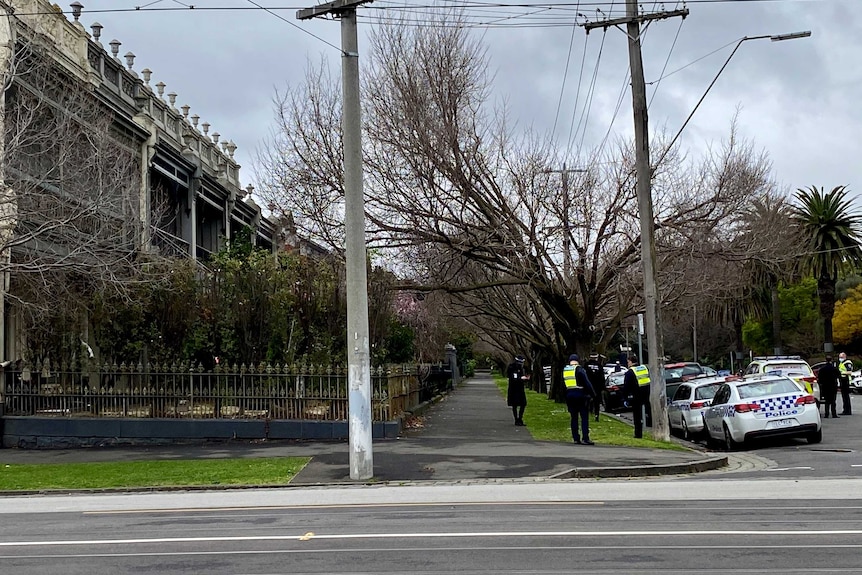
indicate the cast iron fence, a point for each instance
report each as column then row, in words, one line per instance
column 178, row 390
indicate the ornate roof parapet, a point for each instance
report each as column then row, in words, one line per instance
column 46, row 21
column 91, row 61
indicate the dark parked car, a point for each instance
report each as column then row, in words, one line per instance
column 676, row 373
column 614, row 396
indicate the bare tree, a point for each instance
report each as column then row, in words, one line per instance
column 70, row 201
column 552, row 266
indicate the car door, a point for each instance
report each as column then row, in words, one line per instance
column 678, row 403
column 714, row 414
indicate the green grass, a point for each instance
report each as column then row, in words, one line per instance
column 195, row 472
column 550, row 421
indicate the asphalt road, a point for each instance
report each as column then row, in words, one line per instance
column 838, row 455
column 548, row 527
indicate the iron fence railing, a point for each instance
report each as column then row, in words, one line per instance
column 304, row 392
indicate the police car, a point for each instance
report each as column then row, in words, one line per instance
column 761, row 406
column 689, row 401
column 792, row 366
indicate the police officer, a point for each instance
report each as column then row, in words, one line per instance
column 516, row 396
column 579, row 390
column 845, row 367
column 827, row 377
column 636, row 388
column 596, row 373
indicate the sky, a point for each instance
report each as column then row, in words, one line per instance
column 797, row 100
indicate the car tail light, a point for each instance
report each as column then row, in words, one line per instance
column 809, row 378
column 697, row 404
column 805, row 400
column 745, row 407
column 613, row 387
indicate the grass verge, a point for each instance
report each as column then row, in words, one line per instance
column 181, row 473
column 550, row 421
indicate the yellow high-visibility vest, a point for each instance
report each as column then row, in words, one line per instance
column 569, row 376
column 642, row 373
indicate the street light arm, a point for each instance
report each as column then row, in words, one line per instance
column 775, row 38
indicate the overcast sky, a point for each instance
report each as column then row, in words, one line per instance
column 798, row 100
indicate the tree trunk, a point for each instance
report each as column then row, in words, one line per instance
column 776, row 321
column 826, row 293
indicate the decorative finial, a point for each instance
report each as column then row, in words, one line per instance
column 195, row 119
column 172, row 98
column 76, row 10
column 160, row 89
column 147, row 74
column 231, row 148
column 97, row 32
column 115, row 48
column 185, row 110
column 130, row 59
column 206, row 127
column 216, row 137
column 249, row 189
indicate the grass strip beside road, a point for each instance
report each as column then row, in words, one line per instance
column 158, row 473
column 550, row 421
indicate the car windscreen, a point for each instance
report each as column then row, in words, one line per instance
column 616, row 378
column 787, row 368
column 763, row 388
column 706, row 391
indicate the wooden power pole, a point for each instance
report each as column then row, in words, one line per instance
column 358, row 345
column 652, row 300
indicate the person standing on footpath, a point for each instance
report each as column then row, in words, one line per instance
column 827, row 377
column 516, row 396
column 845, row 367
column 596, row 373
column 579, row 391
column 636, row 389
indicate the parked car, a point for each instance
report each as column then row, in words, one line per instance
column 856, row 382
column 614, row 396
column 792, row 366
column 761, row 406
column 676, row 373
column 686, row 407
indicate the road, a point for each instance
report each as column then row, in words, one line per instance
column 503, row 527
column 838, row 455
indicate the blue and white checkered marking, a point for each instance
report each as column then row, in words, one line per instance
column 780, row 406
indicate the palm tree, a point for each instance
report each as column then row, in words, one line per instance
column 832, row 235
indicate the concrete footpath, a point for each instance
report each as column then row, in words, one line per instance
column 467, row 435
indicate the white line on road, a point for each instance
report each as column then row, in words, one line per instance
column 454, row 535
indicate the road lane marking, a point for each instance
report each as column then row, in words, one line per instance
column 454, row 535
column 787, row 468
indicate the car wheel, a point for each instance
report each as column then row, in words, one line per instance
column 729, row 443
column 815, row 436
column 685, row 432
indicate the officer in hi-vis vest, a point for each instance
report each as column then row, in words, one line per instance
column 579, row 391
column 636, row 387
column 845, row 367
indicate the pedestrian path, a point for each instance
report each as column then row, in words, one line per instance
column 468, row 435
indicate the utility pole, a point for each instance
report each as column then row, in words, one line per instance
column 658, row 394
column 358, row 345
column 564, row 172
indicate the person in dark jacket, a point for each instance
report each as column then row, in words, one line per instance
column 596, row 373
column 516, row 396
column 637, row 395
column 827, row 377
column 579, row 391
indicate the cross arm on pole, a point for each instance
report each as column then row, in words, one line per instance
column 640, row 19
column 335, row 7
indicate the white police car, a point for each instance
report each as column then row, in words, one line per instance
column 689, row 401
column 762, row 406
